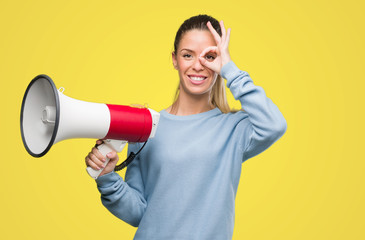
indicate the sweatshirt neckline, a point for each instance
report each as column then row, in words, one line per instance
column 209, row 113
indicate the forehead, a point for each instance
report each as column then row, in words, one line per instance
column 197, row 40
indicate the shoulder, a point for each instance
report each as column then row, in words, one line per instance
column 237, row 122
column 234, row 116
column 232, row 123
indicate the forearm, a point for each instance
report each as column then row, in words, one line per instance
column 266, row 121
column 120, row 199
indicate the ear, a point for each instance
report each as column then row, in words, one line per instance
column 174, row 61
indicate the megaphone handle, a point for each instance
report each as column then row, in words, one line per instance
column 104, row 149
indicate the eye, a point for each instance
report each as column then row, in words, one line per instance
column 186, row 55
column 210, row 57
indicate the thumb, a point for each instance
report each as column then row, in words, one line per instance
column 204, row 62
column 113, row 156
column 211, row 65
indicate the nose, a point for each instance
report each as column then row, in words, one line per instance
column 197, row 66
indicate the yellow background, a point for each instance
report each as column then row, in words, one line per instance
column 307, row 55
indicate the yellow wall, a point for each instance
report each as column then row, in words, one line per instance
column 307, row 55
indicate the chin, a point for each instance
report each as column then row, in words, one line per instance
column 196, row 90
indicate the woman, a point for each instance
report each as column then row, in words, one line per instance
column 184, row 182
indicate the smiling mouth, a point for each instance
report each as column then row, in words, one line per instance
column 197, row 78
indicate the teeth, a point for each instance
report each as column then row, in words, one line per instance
column 197, row 78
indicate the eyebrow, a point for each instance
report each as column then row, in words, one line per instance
column 186, row 50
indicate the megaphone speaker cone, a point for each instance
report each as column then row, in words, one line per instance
column 40, row 115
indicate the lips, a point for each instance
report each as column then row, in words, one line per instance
column 197, row 79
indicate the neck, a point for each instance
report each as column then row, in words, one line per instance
column 190, row 104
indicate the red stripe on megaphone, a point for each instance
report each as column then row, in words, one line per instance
column 129, row 123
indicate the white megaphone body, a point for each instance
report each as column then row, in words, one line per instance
column 48, row 116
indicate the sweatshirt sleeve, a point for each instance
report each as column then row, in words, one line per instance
column 124, row 199
column 265, row 122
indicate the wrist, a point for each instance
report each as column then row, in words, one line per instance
column 107, row 179
column 226, row 60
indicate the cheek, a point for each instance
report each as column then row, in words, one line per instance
column 183, row 68
column 214, row 78
column 183, row 65
column 214, row 75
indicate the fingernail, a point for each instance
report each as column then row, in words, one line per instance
column 108, row 155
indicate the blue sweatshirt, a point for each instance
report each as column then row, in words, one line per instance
column 183, row 184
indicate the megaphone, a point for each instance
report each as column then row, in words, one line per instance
column 48, row 117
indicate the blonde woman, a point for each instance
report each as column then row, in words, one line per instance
column 184, row 182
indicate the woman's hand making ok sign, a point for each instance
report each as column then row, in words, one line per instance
column 220, row 52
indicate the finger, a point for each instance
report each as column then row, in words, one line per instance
column 113, row 156
column 91, row 164
column 208, row 64
column 98, row 154
column 213, row 49
column 98, row 142
column 223, row 30
column 216, row 36
column 203, row 61
column 95, row 160
column 87, row 160
column 228, row 37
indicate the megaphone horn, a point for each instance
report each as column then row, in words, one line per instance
column 48, row 116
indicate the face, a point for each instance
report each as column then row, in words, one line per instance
column 195, row 78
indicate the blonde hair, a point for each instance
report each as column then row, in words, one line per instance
column 218, row 95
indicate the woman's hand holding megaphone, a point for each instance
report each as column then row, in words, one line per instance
column 96, row 160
